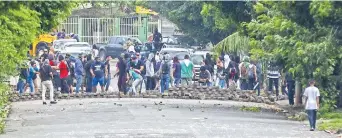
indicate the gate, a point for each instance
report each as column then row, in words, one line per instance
column 98, row 30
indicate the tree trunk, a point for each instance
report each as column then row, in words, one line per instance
column 298, row 92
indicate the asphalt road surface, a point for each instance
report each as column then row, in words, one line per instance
column 146, row 118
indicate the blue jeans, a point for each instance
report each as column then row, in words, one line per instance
column 89, row 84
column 31, row 85
column 222, row 83
column 21, row 86
column 164, row 82
column 177, row 81
column 312, row 118
column 107, row 81
column 78, row 82
column 205, row 84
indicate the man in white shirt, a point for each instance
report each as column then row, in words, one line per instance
column 311, row 95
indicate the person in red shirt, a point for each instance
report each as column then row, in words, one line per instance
column 64, row 73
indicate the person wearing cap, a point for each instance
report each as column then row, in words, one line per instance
column 311, row 96
column 78, row 72
column 74, row 36
column 98, row 72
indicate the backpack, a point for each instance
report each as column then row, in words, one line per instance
column 165, row 68
column 251, row 72
column 244, row 71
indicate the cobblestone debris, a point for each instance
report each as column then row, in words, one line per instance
column 182, row 92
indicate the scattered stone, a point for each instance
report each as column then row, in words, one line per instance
column 205, row 118
column 119, row 104
column 160, row 109
column 191, row 109
column 163, row 115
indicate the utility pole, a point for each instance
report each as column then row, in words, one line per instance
column 298, row 92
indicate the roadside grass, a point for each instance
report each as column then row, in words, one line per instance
column 333, row 124
column 251, row 109
column 331, row 121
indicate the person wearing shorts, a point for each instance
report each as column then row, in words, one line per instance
column 98, row 72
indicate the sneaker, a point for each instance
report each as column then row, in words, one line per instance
column 312, row 129
column 44, row 103
column 53, row 102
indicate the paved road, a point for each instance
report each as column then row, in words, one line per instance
column 113, row 118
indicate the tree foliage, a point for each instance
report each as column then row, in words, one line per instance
column 20, row 24
column 204, row 21
column 304, row 36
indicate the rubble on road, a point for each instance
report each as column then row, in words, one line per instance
column 182, row 92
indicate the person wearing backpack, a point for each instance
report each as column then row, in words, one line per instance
column 165, row 71
column 244, row 65
column 46, row 78
column 252, row 76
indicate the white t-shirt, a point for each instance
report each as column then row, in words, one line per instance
column 131, row 48
column 312, row 93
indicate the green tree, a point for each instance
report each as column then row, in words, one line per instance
column 303, row 36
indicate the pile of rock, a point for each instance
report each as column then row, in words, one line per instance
column 182, row 92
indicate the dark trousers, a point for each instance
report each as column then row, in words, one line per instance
column 275, row 82
column 122, row 83
column 312, row 118
column 243, row 84
column 89, row 84
column 291, row 91
column 56, row 82
column 64, row 85
column 150, row 83
column 251, row 83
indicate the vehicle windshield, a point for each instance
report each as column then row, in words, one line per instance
column 77, row 45
column 197, row 59
column 58, row 44
column 72, row 54
column 136, row 40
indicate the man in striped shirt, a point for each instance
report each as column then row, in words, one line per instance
column 273, row 76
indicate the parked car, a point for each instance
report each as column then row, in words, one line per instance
column 175, row 52
column 77, row 46
column 57, row 44
column 197, row 58
column 114, row 47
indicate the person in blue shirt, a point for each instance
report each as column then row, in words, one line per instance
column 33, row 71
column 78, row 70
column 98, row 72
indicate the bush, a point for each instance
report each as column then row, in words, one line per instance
column 4, row 102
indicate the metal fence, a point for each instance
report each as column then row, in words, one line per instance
column 98, row 30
